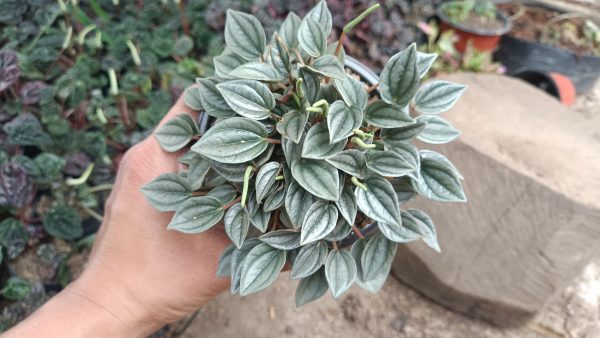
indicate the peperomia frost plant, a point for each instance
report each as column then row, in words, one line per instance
column 305, row 163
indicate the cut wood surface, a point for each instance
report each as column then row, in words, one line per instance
column 532, row 221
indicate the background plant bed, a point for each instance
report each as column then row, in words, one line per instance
column 522, row 50
column 483, row 39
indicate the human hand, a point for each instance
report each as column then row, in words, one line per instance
column 140, row 275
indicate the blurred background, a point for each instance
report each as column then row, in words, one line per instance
column 83, row 81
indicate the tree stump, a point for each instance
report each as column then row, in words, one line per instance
column 532, row 221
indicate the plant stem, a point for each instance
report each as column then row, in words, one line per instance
column 246, row 183
column 355, row 181
column 296, row 99
column 93, row 214
column 360, row 18
column 280, row 177
column 275, row 117
column 184, row 22
column 362, row 144
column 315, row 110
column 335, row 246
column 230, row 204
column 351, row 25
column 101, row 187
column 298, row 56
column 273, row 141
column 357, row 232
column 81, row 179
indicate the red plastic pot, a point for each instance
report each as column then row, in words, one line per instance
column 483, row 40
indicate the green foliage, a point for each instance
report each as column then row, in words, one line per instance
column 80, row 84
column 298, row 148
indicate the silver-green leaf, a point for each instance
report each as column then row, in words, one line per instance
column 244, row 35
column 424, row 62
column 197, row 214
column 377, row 256
column 388, row 163
column 329, row 66
column 424, row 226
column 321, row 14
column 198, row 169
column 385, row 115
column 312, row 38
column 379, row 201
column 237, row 223
column 212, row 100
column 309, row 260
column 261, row 266
column 248, row 98
column 237, row 262
column 265, row 179
column 292, row 124
column 317, row 177
column 341, row 231
column 342, row 120
column 400, row 233
column 347, row 204
column 224, row 193
column 352, row 91
column 259, row 71
column 437, row 130
column 351, row 161
column 226, row 63
column 191, row 98
column 282, row 239
column 437, row 96
column 340, row 270
column 167, row 192
column 297, row 202
column 319, row 221
column 289, row 30
column 439, row 180
column 317, row 145
column 233, row 140
column 311, row 85
column 400, row 78
column 176, row 133
column 393, row 136
column 311, row 288
column 224, row 266
column 274, row 200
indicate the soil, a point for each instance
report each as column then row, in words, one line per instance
column 531, row 23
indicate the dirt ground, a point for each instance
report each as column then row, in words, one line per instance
column 397, row 310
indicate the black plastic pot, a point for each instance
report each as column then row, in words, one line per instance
column 519, row 56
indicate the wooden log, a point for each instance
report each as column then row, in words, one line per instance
column 532, row 221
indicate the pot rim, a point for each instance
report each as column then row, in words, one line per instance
column 553, row 49
column 507, row 24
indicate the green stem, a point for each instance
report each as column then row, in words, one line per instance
column 280, row 177
column 134, row 53
column 358, row 184
column 360, row 18
column 81, row 179
column 315, row 110
column 299, row 88
column 112, row 78
column 297, row 100
column 67, row 40
column 100, row 115
column 324, row 104
column 101, row 187
column 93, row 214
column 246, row 184
column 362, row 144
column 81, row 36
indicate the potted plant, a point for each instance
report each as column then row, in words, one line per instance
column 546, row 42
column 304, row 162
column 475, row 22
